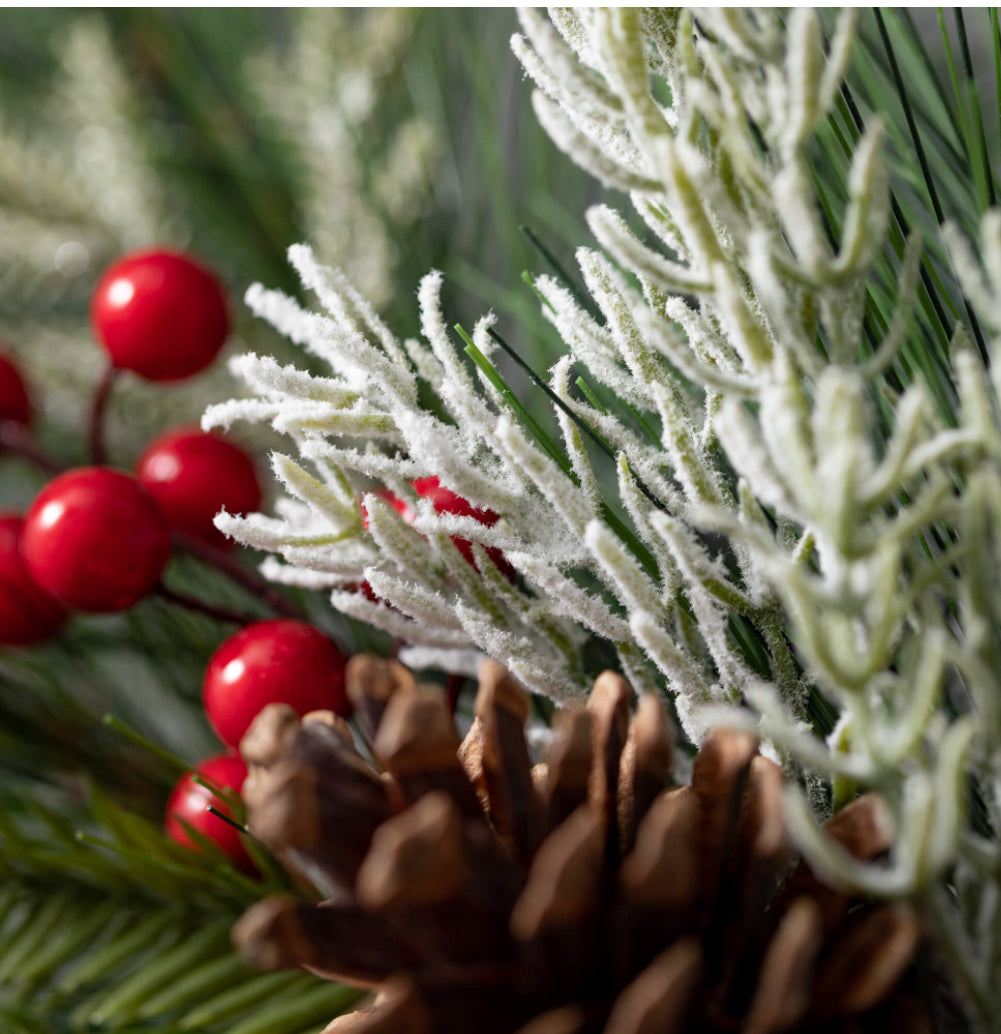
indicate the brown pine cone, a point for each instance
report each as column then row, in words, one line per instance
column 476, row 892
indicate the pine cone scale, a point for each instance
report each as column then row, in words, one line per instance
column 658, row 1001
column 514, row 813
column 569, row 765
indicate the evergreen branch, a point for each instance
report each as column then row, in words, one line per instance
column 981, row 167
column 200, row 606
column 123, row 927
column 925, row 170
column 582, row 299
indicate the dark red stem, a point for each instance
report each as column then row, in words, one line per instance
column 16, row 438
column 98, row 408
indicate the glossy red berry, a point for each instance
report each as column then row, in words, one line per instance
column 15, row 403
column 190, row 801
column 444, row 500
column 96, row 540
column 404, row 509
column 28, row 614
column 160, row 314
column 272, row 662
column 194, row 475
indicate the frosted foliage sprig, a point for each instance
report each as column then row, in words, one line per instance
column 362, row 431
column 777, row 559
column 878, row 561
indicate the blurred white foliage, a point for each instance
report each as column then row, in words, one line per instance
column 75, row 185
column 321, row 88
column 96, row 101
column 75, row 192
column 838, row 552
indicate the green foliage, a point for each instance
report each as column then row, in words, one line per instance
column 939, row 167
column 119, row 928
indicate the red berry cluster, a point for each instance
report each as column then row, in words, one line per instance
column 97, row 540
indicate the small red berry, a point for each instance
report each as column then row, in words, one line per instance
column 272, row 662
column 96, row 540
column 15, row 403
column 404, row 509
column 160, row 314
column 28, row 614
column 194, row 475
column 444, row 500
column 190, row 801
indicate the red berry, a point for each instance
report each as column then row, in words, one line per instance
column 444, row 500
column 272, row 662
column 404, row 509
column 95, row 539
column 28, row 614
column 15, row 403
column 194, row 475
column 190, row 800
column 160, row 314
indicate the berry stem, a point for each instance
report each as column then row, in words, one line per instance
column 98, row 408
column 16, row 438
column 236, row 572
column 193, row 603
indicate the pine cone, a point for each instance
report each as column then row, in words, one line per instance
column 474, row 891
